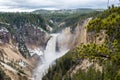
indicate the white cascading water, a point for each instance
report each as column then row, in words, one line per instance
column 50, row 55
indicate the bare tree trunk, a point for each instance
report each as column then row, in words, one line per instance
column 103, row 73
column 118, row 2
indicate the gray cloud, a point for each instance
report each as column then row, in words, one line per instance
column 22, row 5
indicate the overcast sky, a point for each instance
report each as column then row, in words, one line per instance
column 30, row 5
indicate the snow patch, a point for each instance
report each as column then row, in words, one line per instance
column 37, row 51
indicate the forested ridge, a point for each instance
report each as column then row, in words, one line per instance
column 71, row 20
column 106, row 54
column 20, row 19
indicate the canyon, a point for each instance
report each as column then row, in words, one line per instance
column 58, row 46
column 39, row 49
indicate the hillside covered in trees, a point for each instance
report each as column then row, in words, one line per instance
column 20, row 19
column 60, row 19
column 105, row 55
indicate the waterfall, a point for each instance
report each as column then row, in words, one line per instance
column 50, row 55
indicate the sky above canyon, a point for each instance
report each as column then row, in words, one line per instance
column 30, row 5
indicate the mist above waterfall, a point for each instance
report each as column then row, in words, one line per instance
column 48, row 58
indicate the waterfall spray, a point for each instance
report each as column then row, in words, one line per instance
column 49, row 57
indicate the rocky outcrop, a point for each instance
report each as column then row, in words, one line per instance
column 33, row 35
column 80, row 32
column 71, row 38
column 65, row 39
column 15, row 46
column 98, row 38
column 1, row 56
column 4, row 35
